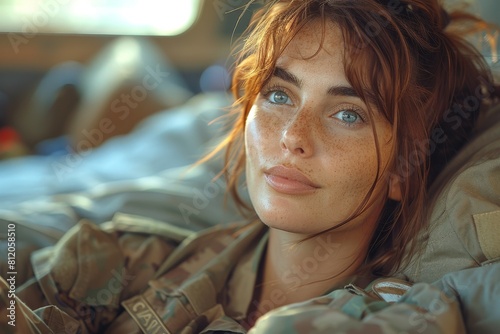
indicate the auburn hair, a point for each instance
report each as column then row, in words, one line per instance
column 410, row 61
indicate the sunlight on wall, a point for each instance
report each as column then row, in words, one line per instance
column 120, row 17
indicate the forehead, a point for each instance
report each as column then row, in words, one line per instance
column 316, row 41
column 315, row 55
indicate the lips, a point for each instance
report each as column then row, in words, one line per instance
column 289, row 180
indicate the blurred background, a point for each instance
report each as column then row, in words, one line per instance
column 67, row 65
column 74, row 73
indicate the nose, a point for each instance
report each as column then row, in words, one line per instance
column 297, row 136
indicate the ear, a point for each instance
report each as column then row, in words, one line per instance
column 395, row 188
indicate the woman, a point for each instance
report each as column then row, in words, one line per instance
column 347, row 110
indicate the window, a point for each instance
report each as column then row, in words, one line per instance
column 114, row 17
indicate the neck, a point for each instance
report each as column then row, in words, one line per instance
column 296, row 269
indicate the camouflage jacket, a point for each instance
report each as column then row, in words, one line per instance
column 136, row 276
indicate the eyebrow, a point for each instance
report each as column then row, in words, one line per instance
column 287, row 76
column 283, row 74
column 342, row 91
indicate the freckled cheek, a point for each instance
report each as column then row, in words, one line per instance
column 365, row 170
column 352, row 163
column 261, row 134
column 386, row 148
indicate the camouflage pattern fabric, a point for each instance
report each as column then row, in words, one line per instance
column 134, row 276
column 423, row 309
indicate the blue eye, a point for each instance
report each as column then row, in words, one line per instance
column 348, row 116
column 279, row 97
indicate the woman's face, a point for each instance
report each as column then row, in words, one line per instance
column 311, row 156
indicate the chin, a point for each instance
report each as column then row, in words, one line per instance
column 294, row 229
column 289, row 223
